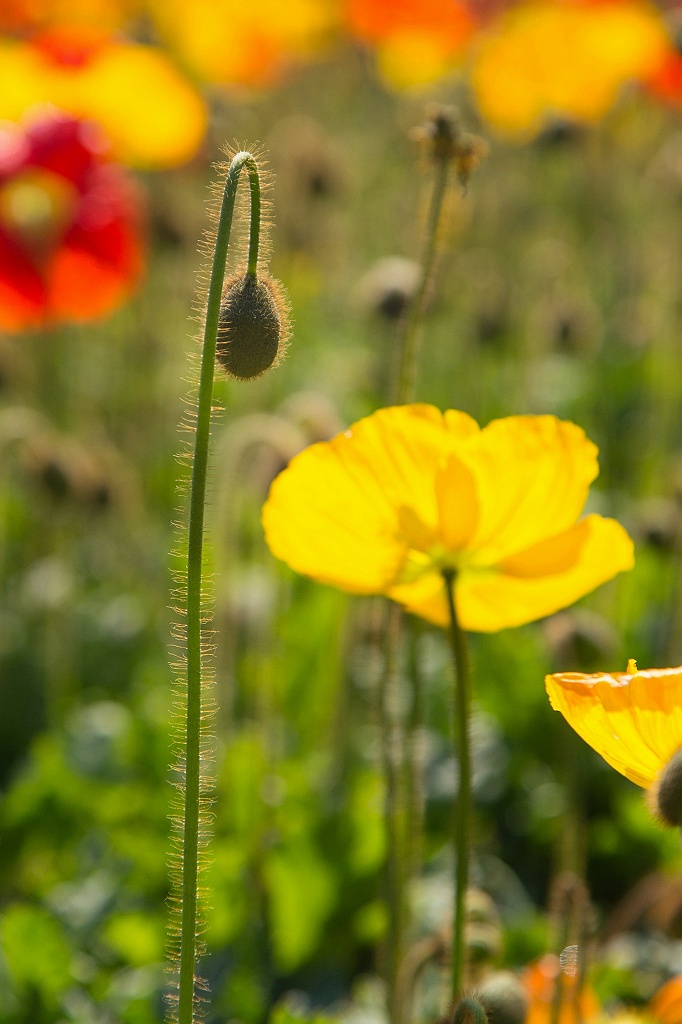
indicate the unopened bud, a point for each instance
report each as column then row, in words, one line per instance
column 666, row 793
column 253, row 326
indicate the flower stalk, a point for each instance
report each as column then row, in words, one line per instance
column 462, row 825
column 191, row 824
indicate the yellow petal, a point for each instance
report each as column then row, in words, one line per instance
column 489, row 600
column 153, row 117
column 457, row 503
column 634, row 722
column 340, row 510
column 532, row 476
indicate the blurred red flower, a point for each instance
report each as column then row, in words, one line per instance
column 70, row 242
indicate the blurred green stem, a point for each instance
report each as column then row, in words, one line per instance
column 460, row 657
column 192, row 808
column 407, row 366
column 394, row 810
column 415, row 753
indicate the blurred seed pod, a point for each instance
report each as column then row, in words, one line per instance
column 568, row 323
column 580, row 640
column 503, row 998
column 482, row 930
column 311, row 174
column 389, row 286
column 657, row 523
column 314, row 413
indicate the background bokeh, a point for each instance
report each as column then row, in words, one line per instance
column 559, row 290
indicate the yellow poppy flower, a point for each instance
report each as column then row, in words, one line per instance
column 152, row 116
column 409, row 492
column 634, row 720
column 564, row 59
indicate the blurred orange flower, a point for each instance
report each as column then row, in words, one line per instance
column 153, row 117
column 563, row 58
column 540, row 983
column 28, row 15
column 417, row 41
column 409, row 492
column 230, row 42
column 540, row 980
column 70, row 247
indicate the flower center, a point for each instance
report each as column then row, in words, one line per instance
column 36, row 207
column 666, row 793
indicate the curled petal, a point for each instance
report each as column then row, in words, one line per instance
column 633, row 720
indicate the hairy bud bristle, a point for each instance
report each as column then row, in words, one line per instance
column 253, row 326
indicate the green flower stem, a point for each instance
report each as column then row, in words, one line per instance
column 460, row 656
column 415, row 753
column 407, row 369
column 394, row 811
column 192, row 809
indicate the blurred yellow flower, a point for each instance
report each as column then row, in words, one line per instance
column 633, row 719
column 232, row 42
column 409, row 492
column 152, row 116
column 564, row 58
column 416, row 41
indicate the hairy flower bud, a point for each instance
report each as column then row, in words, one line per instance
column 253, row 326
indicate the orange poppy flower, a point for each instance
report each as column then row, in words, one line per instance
column 409, row 492
column 557, row 58
column 70, row 247
column 417, row 41
column 153, row 117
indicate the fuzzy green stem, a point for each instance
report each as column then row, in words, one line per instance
column 460, row 657
column 254, row 227
column 407, row 370
column 191, row 826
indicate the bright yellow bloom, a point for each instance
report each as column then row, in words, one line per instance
column 408, row 492
column 152, row 116
column 567, row 59
column 633, row 719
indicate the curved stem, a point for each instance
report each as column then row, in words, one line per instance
column 254, row 228
column 460, row 657
column 408, row 356
column 470, row 1009
column 192, row 809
